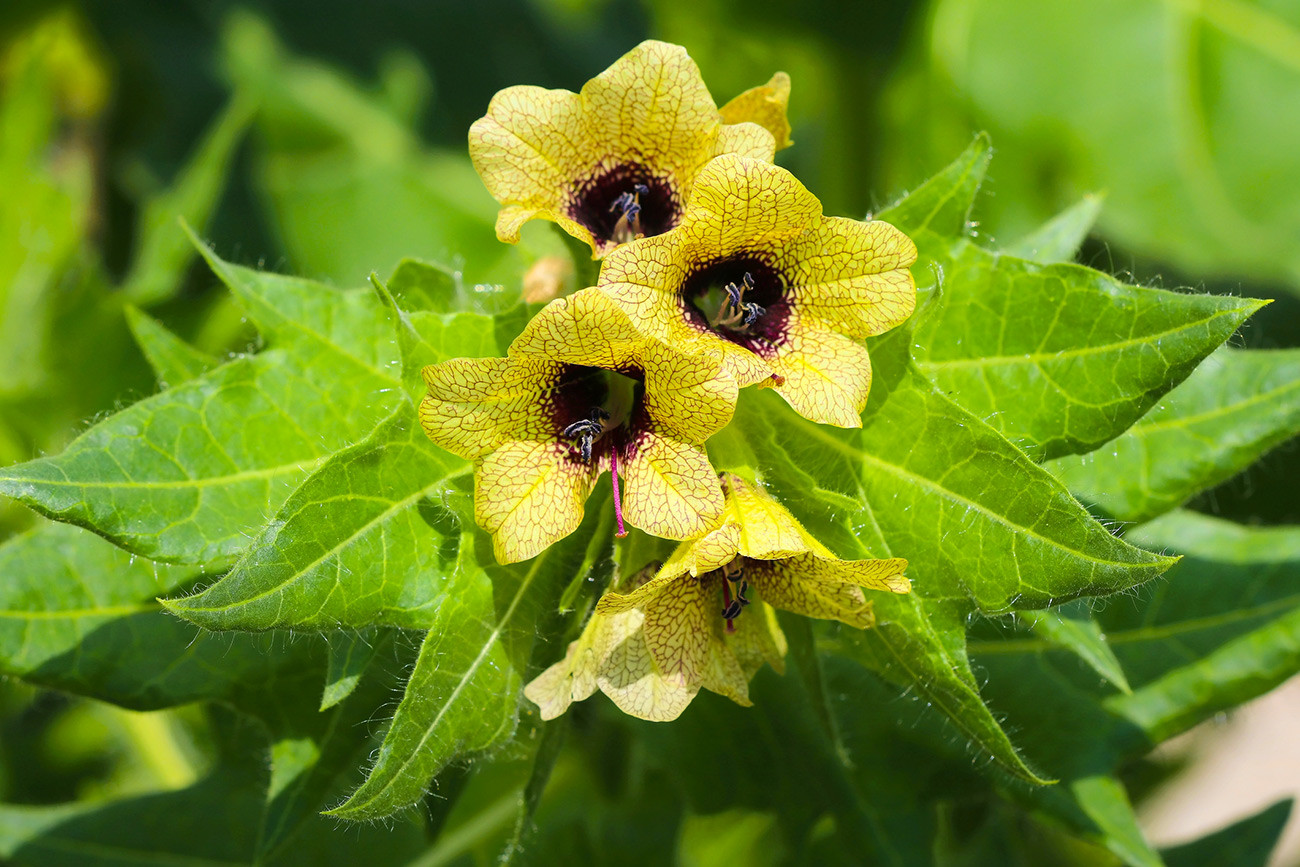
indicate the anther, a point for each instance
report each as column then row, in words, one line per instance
column 586, row 430
column 628, row 206
column 736, row 313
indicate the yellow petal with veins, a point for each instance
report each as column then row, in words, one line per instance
column 758, row 639
column 768, row 531
column 884, row 575
column 713, row 550
column 584, row 328
column 688, row 395
column 633, row 681
column 851, row 277
column 828, row 281
column 529, row 495
column 538, row 151
column 475, row 405
column 782, row 584
column 679, row 629
column 764, row 105
column 669, row 488
column 825, row 375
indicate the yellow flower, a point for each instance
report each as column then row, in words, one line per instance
column 706, row 619
column 579, row 393
column 754, row 270
column 616, row 161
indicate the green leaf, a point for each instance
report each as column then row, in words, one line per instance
column 187, row 475
column 1230, row 411
column 464, row 691
column 925, row 472
column 981, row 525
column 350, row 188
column 78, row 614
column 163, row 251
column 1191, row 141
column 920, row 645
column 369, row 539
column 1071, row 626
column 943, row 203
column 1242, row 669
column 1059, row 239
column 173, row 360
column 350, row 654
column 1105, row 803
column 1060, row 358
column 177, row 827
column 1247, row 843
column 1223, row 628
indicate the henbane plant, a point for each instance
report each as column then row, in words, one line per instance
column 857, row 422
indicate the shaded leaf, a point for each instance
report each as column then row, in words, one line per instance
column 1230, row 411
column 1071, row 626
column 464, row 691
column 1190, row 139
column 349, row 656
column 1105, row 802
column 163, row 251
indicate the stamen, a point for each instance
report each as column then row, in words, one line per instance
column 628, row 205
column 736, row 313
column 618, row 500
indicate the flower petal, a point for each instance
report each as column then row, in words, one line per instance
column 585, row 328
column 884, row 575
column 679, row 629
column 574, row 677
column 644, row 279
column 745, row 204
column 687, row 395
column 758, row 639
column 723, row 673
column 746, row 140
column 653, row 102
column 475, row 405
column 669, row 488
column 764, row 105
column 826, row 375
column 632, row 680
column 768, row 531
column 851, row 277
column 530, row 146
column 713, row 550
column 528, row 495
column 784, row 584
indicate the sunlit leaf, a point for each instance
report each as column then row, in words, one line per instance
column 1230, row 411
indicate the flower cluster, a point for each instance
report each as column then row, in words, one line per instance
column 719, row 272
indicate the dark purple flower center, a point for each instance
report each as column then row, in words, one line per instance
column 625, row 202
column 595, row 409
column 742, row 299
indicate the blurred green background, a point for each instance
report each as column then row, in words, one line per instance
column 327, row 139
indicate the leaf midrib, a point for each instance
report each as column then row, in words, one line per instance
column 931, row 485
column 1063, row 354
